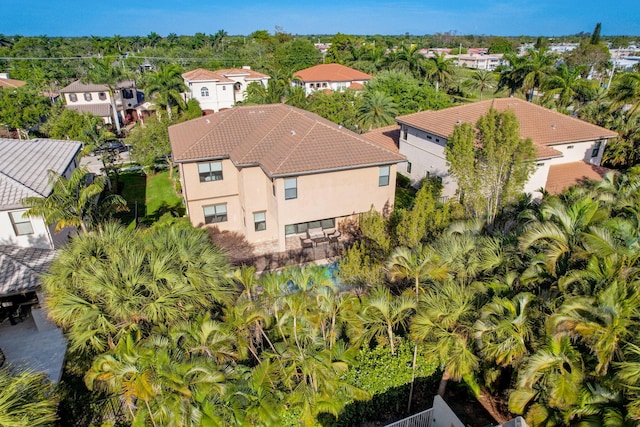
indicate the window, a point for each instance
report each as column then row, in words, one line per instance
column 210, row 171
column 408, row 167
column 569, row 147
column 540, row 164
column 429, row 137
column 237, row 86
column 102, row 96
column 437, row 140
column 224, row 88
column 73, row 97
column 383, row 178
column 21, row 223
column 405, row 131
column 260, row 221
column 596, row 149
column 291, row 188
column 87, row 97
column 204, row 91
column 325, row 224
column 215, row 213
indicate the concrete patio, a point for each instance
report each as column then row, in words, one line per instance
column 27, row 346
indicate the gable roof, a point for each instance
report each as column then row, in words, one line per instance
column 203, row 75
column 330, row 73
column 11, row 83
column 388, row 136
column 565, row 175
column 20, row 268
column 281, row 139
column 79, row 87
column 24, row 167
column 545, row 127
column 102, row 109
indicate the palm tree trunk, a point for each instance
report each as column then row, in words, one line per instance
column 413, row 376
column 390, row 335
column 115, row 110
column 443, row 383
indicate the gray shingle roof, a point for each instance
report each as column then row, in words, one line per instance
column 24, row 167
column 20, row 268
column 78, row 87
column 100, row 110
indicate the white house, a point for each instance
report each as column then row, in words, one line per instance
column 220, row 89
column 334, row 77
column 568, row 149
column 95, row 99
column 24, row 167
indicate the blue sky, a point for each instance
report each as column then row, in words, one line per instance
column 126, row 18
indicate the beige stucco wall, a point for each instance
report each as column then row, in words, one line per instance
column 250, row 190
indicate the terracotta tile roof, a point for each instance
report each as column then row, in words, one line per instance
column 563, row 176
column 79, row 87
column 282, row 139
column 545, row 127
column 331, row 73
column 200, row 74
column 20, row 268
column 11, row 83
column 388, row 137
column 356, row 86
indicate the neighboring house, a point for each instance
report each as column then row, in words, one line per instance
column 271, row 172
column 334, row 77
column 221, row 89
column 6, row 82
column 568, row 149
column 479, row 61
column 24, row 172
column 95, row 99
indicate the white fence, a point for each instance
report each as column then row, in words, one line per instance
column 421, row 419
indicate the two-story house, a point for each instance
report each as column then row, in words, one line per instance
column 220, row 89
column 272, row 172
column 96, row 99
column 334, row 77
column 568, row 149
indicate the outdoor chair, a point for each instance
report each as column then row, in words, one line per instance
column 334, row 237
column 306, row 243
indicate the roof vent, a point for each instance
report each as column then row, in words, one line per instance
column 553, row 126
column 459, row 121
column 208, row 121
column 339, row 126
column 293, row 132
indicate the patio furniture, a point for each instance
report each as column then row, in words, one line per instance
column 306, row 243
column 334, row 237
column 315, row 233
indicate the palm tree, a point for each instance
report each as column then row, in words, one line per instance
column 549, row 384
column 383, row 314
column 26, row 399
column 512, row 76
column 166, row 87
column 377, row 110
column 74, row 202
column 481, row 80
column 566, row 86
column 109, row 283
column 101, row 71
column 443, row 322
column 626, row 91
column 538, row 64
column 440, row 69
column 603, row 322
column 505, row 329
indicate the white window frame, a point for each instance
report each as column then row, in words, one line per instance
column 22, row 225
column 260, row 221
column 210, row 171
column 204, row 91
column 290, row 188
column 384, row 176
column 214, row 214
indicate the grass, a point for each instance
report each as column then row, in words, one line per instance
column 154, row 196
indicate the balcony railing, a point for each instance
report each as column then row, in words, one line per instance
column 421, row 419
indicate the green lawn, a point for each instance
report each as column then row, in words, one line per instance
column 154, row 195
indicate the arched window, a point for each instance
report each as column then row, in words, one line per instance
column 237, row 86
column 204, row 91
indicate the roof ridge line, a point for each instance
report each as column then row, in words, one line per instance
column 19, row 184
column 204, row 118
column 295, row 146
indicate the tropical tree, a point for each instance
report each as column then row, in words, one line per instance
column 443, row 322
column 74, row 202
column 440, row 69
column 102, row 71
column 26, row 399
column 537, row 66
column 566, row 86
column 383, row 314
column 165, row 88
column 115, row 282
column 481, row 80
column 626, row 91
column 377, row 110
column 22, row 109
